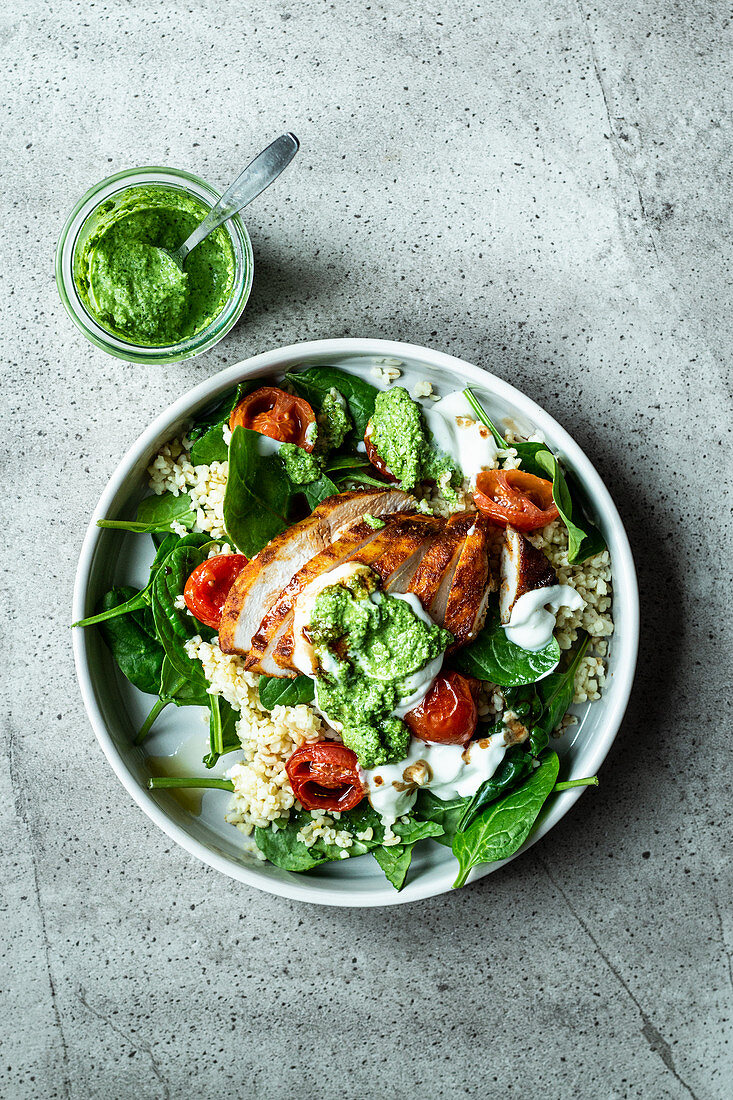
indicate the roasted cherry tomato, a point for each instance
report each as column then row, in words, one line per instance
column 447, row 714
column 276, row 413
column 374, row 458
column 325, row 776
column 513, row 498
column 208, row 587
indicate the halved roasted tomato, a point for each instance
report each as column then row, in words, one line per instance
column 325, row 776
column 277, row 414
column 513, row 498
column 448, row 713
column 208, row 587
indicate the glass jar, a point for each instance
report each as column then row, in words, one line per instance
column 81, row 223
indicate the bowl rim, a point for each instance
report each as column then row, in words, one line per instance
column 297, row 887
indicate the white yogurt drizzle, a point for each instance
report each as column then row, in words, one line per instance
column 457, row 433
column 449, row 771
column 267, row 446
column 533, row 615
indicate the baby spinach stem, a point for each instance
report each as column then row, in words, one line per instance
column 590, row 781
column 148, row 723
column 162, row 782
column 484, row 418
column 136, row 603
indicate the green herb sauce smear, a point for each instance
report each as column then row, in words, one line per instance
column 130, row 284
column 406, row 446
column 370, row 646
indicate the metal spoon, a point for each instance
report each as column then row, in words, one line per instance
column 258, row 175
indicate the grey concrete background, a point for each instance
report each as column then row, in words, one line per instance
column 541, row 189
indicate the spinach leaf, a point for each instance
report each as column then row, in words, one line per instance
column 583, row 541
column 206, row 436
column 544, row 709
column 315, row 382
column 163, row 547
column 276, row 691
column 395, row 861
column 364, row 817
column 173, row 542
column 132, row 641
column 216, row 412
column 174, row 625
column 316, row 491
column 356, row 478
column 502, row 828
column 222, row 730
column 257, row 496
column 284, row 849
column 210, row 447
column 491, row 656
column 443, row 812
column 340, row 463
column 413, row 830
column 584, row 538
column 517, row 764
column 156, row 514
column 555, row 692
column 160, row 512
column 178, row 689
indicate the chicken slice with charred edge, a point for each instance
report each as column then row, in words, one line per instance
column 264, row 577
column 396, row 543
column 439, row 563
column 259, row 657
column 524, row 568
column 469, row 591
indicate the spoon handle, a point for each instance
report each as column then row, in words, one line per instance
column 250, row 183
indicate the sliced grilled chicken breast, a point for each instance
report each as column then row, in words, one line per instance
column 401, row 579
column 266, row 575
column 436, row 589
column 279, row 615
column 431, row 572
column 386, row 553
column 524, row 568
column 349, row 508
column 468, row 595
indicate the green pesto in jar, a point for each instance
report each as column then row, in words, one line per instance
column 130, row 284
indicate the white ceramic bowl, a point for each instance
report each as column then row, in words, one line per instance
column 179, row 737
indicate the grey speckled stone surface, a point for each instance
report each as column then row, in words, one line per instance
column 539, row 188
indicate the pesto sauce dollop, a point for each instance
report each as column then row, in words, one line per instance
column 131, row 285
column 301, row 466
column 333, row 423
column 368, row 645
column 405, row 444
